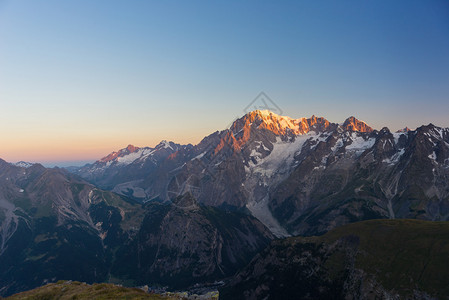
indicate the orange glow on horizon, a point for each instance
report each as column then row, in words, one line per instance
column 71, row 149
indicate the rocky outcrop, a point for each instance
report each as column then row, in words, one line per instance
column 352, row 124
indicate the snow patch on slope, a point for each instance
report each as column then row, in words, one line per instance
column 281, row 157
column 165, row 144
column 266, row 173
column 130, row 158
column 359, row 143
column 396, row 136
column 23, row 164
column 432, row 156
column 261, row 211
column 395, row 158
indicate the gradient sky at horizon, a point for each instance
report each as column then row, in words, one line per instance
column 79, row 79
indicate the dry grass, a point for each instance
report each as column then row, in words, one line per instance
column 71, row 290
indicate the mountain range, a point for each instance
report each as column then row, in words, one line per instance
column 187, row 216
column 297, row 176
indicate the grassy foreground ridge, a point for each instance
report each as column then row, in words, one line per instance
column 65, row 290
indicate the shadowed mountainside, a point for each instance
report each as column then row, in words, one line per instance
column 377, row 259
column 54, row 225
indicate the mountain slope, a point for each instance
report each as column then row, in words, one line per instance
column 54, row 225
column 326, row 175
column 376, row 175
column 121, row 171
column 185, row 243
column 384, row 259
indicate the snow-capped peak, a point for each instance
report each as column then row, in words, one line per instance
column 130, row 149
column 23, row 164
column 165, row 144
column 132, row 153
column 114, row 155
column 279, row 125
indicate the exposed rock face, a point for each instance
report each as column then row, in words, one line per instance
column 380, row 259
column 352, row 124
column 405, row 129
column 37, row 191
column 185, row 243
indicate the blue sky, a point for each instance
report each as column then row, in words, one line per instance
column 79, row 79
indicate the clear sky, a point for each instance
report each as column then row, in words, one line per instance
column 79, row 79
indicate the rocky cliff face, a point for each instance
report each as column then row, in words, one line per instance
column 186, row 243
column 352, row 124
column 381, row 259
